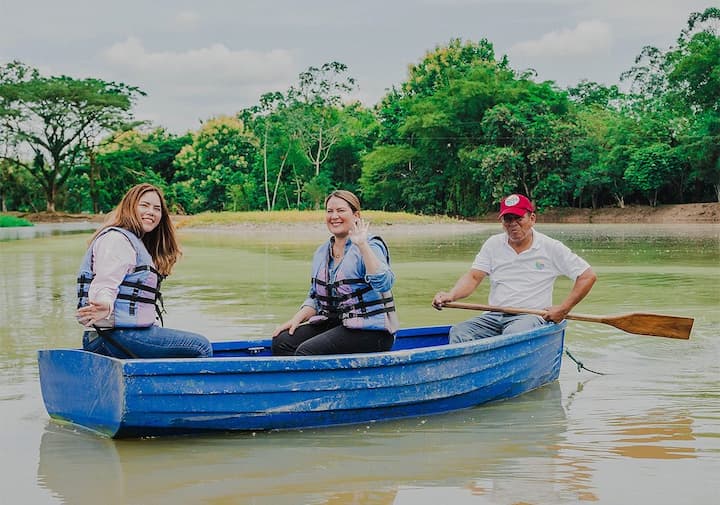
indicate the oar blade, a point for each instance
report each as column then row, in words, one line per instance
column 657, row 325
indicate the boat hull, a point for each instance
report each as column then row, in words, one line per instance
column 244, row 388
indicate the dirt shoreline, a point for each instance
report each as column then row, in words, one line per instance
column 634, row 214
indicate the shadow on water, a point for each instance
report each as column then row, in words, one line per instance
column 337, row 465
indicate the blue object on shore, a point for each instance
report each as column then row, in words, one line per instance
column 243, row 387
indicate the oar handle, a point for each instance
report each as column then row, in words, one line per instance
column 492, row 308
column 660, row 325
column 516, row 310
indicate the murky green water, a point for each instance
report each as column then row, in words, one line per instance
column 647, row 432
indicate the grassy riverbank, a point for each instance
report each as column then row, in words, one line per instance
column 663, row 214
column 300, row 217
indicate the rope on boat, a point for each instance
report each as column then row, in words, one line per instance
column 580, row 366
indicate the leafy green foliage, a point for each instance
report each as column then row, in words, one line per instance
column 213, row 170
column 58, row 118
column 649, row 170
column 382, row 172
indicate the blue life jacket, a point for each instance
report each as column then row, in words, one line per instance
column 349, row 296
column 138, row 300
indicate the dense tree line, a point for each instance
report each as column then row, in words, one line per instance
column 462, row 130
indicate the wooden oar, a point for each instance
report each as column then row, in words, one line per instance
column 657, row 325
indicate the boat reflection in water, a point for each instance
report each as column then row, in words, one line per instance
column 477, row 451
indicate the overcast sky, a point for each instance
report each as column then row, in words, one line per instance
column 197, row 59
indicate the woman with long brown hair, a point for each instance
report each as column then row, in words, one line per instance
column 119, row 297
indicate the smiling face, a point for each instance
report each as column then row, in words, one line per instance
column 339, row 216
column 519, row 228
column 149, row 210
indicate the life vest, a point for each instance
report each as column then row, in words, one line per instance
column 138, row 300
column 349, row 296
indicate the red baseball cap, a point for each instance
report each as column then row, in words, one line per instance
column 516, row 204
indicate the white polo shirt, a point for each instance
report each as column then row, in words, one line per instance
column 526, row 280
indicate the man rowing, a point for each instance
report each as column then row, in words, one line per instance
column 522, row 265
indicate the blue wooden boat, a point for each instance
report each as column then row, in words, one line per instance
column 243, row 387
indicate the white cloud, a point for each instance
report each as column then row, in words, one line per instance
column 216, row 64
column 501, row 2
column 588, row 37
column 187, row 20
column 198, row 83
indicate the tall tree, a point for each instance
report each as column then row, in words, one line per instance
column 53, row 118
column 649, row 170
column 314, row 104
column 298, row 131
column 213, row 171
column 448, row 62
column 683, row 85
column 695, row 74
column 434, row 116
column 120, row 161
column 476, row 130
column 277, row 145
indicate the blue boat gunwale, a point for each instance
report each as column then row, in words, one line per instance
column 243, row 364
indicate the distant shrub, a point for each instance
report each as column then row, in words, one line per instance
column 8, row 221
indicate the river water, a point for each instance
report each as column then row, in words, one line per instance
column 647, row 431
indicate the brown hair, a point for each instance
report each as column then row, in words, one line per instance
column 352, row 200
column 161, row 242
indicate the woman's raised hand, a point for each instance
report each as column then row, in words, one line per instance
column 359, row 232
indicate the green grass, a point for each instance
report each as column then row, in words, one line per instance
column 301, row 217
column 8, row 221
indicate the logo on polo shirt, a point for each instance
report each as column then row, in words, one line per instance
column 539, row 265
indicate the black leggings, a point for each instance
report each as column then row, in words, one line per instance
column 330, row 337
